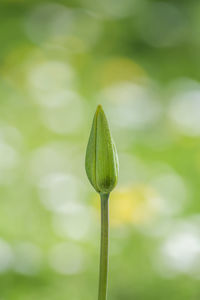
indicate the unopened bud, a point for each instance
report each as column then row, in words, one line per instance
column 101, row 162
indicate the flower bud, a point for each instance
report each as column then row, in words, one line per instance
column 101, row 162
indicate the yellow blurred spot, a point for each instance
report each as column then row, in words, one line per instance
column 131, row 205
column 121, row 69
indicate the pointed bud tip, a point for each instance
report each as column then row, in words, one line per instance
column 99, row 108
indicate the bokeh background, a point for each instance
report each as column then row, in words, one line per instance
column 140, row 60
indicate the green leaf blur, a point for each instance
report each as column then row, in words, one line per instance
column 58, row 61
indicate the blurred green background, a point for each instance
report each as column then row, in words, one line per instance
column 140, row 60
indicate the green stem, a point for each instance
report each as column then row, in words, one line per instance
column 103, row 271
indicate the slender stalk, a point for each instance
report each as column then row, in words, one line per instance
column 103, row 271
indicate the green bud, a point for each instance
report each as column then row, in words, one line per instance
column 101, row 162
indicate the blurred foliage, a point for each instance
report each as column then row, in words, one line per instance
column 140, row 60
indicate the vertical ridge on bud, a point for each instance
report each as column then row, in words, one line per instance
column 101, row 161
column 105, row 158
